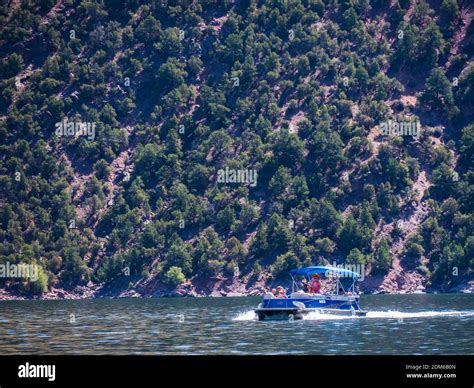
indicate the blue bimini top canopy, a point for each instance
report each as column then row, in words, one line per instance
column 322, row 270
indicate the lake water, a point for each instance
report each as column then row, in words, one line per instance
column 395, row 324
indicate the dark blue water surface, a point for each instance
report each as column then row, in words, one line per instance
column 395, row 324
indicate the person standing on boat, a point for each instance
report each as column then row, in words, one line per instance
column 315, row 284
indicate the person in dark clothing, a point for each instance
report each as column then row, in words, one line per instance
column 304, row 286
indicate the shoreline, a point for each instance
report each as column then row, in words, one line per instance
column 62, row 294
column 220, row 286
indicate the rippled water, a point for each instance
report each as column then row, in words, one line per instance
column 395, row 324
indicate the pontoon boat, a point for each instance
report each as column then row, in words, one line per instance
column 343, row 300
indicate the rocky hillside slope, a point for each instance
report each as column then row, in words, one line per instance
column 206, row 147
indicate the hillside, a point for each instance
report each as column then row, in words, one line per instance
column 206, row 147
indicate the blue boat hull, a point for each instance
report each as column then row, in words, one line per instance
column 312, row 303
column 296, row 308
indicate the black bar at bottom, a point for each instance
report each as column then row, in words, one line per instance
column 365, row 371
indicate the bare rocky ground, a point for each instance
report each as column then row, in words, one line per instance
column 396, row 281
